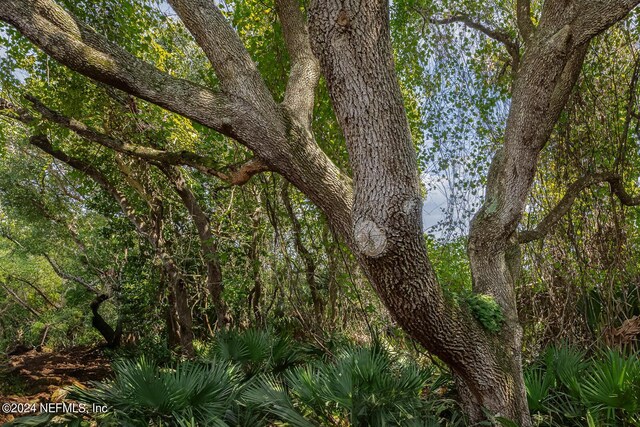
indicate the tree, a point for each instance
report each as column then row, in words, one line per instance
column 377, row 211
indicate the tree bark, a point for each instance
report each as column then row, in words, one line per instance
column 387, row 225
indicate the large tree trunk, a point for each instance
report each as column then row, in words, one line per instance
column 353, row 44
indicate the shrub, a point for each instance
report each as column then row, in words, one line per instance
column 191, row 394
column 362, row 387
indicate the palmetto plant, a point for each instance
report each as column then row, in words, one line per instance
column 571, row 389
column 257, row 351
column 611, row 387
column 362, row 387
column 191, row 394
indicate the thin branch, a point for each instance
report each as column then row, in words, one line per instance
column 234, row 175
column 92, row 172
column 497, row 35
column 548, row 222
column 19, row 300
column 35, row 288
column 631, row 105
column 63, row 275
column 305, row 69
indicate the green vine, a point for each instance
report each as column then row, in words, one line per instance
column 486, row 310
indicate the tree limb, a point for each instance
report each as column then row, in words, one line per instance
column 305, row 70
column 548, row 222
column 76, row 45
column 523, row 18
column 595, row 16
column 96, row 175
column 208, row 245
column 234, row 175
column 266, row 130
column 63, row 275
column 35, row 288
column 232, row 63
column 19, row 300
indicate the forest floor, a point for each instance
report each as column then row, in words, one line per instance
column 40, row 377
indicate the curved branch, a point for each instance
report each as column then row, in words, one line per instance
column 266, row 130
column 208, row 245
column 63, row 275
column 497, row 35
column 97, row 176
column 19, row 300
column 234, row 175
column 553, row 217
column 73, row 43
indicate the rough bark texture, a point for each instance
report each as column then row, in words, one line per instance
column 550, row 66
column 352, row 41
column 378, row 214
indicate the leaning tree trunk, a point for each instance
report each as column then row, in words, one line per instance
column 111, row 336
column 353, row 45
column 208, row 245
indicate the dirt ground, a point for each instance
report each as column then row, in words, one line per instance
column 42, row 376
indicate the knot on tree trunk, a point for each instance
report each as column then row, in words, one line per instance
column 370, row 238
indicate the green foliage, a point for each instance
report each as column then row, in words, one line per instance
column 450, row 261
column 46, row 420
column 366, row 386
column 257, row 351
column 567, row 388
column 191, row 394
column 453, row 270
column 486, row 310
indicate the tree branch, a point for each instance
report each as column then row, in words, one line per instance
column 19, row 300
column 305, row 70
column 595, row 16
column 523, row 18
column 35, row 288
column 548, row 222
column 76, row 45
column 497, row 35
column 266, row 130
column 92, row 172
column 208, row 245
column 234, row 175
column 232, row 63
